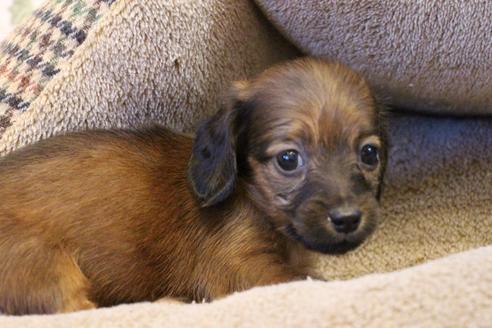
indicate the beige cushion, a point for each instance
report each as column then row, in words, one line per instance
column 433, row 56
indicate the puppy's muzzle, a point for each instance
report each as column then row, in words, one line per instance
column 345, row 219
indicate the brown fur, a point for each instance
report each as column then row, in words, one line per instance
column 106, row 217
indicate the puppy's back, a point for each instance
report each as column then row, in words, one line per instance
column 98, row 165
column 96, row 195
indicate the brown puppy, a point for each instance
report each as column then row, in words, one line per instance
column 292, row 162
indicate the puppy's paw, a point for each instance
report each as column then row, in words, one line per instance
column 173, row 300
column 78, row 304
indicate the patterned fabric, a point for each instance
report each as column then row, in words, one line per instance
column 12, row 12
column 32, row 55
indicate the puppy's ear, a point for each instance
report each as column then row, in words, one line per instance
column 212, row 169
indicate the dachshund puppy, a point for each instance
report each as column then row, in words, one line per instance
column 292, row 162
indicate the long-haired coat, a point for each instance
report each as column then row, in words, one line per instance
column 293, row 161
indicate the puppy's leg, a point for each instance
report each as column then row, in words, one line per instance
column 270, row 269
column 253, row 272
column 173, row 300
column 278, row 274
column 37, row 279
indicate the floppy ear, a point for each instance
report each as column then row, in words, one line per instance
column 212, row 170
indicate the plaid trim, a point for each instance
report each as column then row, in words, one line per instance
column 33, row 53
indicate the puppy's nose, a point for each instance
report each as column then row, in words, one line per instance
column 345, row 220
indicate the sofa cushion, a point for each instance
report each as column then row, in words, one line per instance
column 432, row 56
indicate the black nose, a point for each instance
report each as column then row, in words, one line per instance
column 345, row 220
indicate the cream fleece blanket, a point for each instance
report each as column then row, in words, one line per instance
column 167, row 61
column 430, row 55
column 451, row 292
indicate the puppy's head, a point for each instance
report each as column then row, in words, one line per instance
column 306, row 140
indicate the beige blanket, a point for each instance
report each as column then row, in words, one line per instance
column 431, row 55
column 167, row 61
column 451, row 292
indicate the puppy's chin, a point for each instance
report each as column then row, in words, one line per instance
column 333, row 249
column 336, row 245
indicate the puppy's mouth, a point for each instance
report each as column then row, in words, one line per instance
column 334, row 248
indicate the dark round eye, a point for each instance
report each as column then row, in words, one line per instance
column 369, row 155
column 289, row 160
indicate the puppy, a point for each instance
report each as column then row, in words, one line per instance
column 292, row 162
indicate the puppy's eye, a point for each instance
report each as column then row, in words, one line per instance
column 289, row 160
column 369, row 155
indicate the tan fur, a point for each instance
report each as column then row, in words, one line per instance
column 107, row 217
